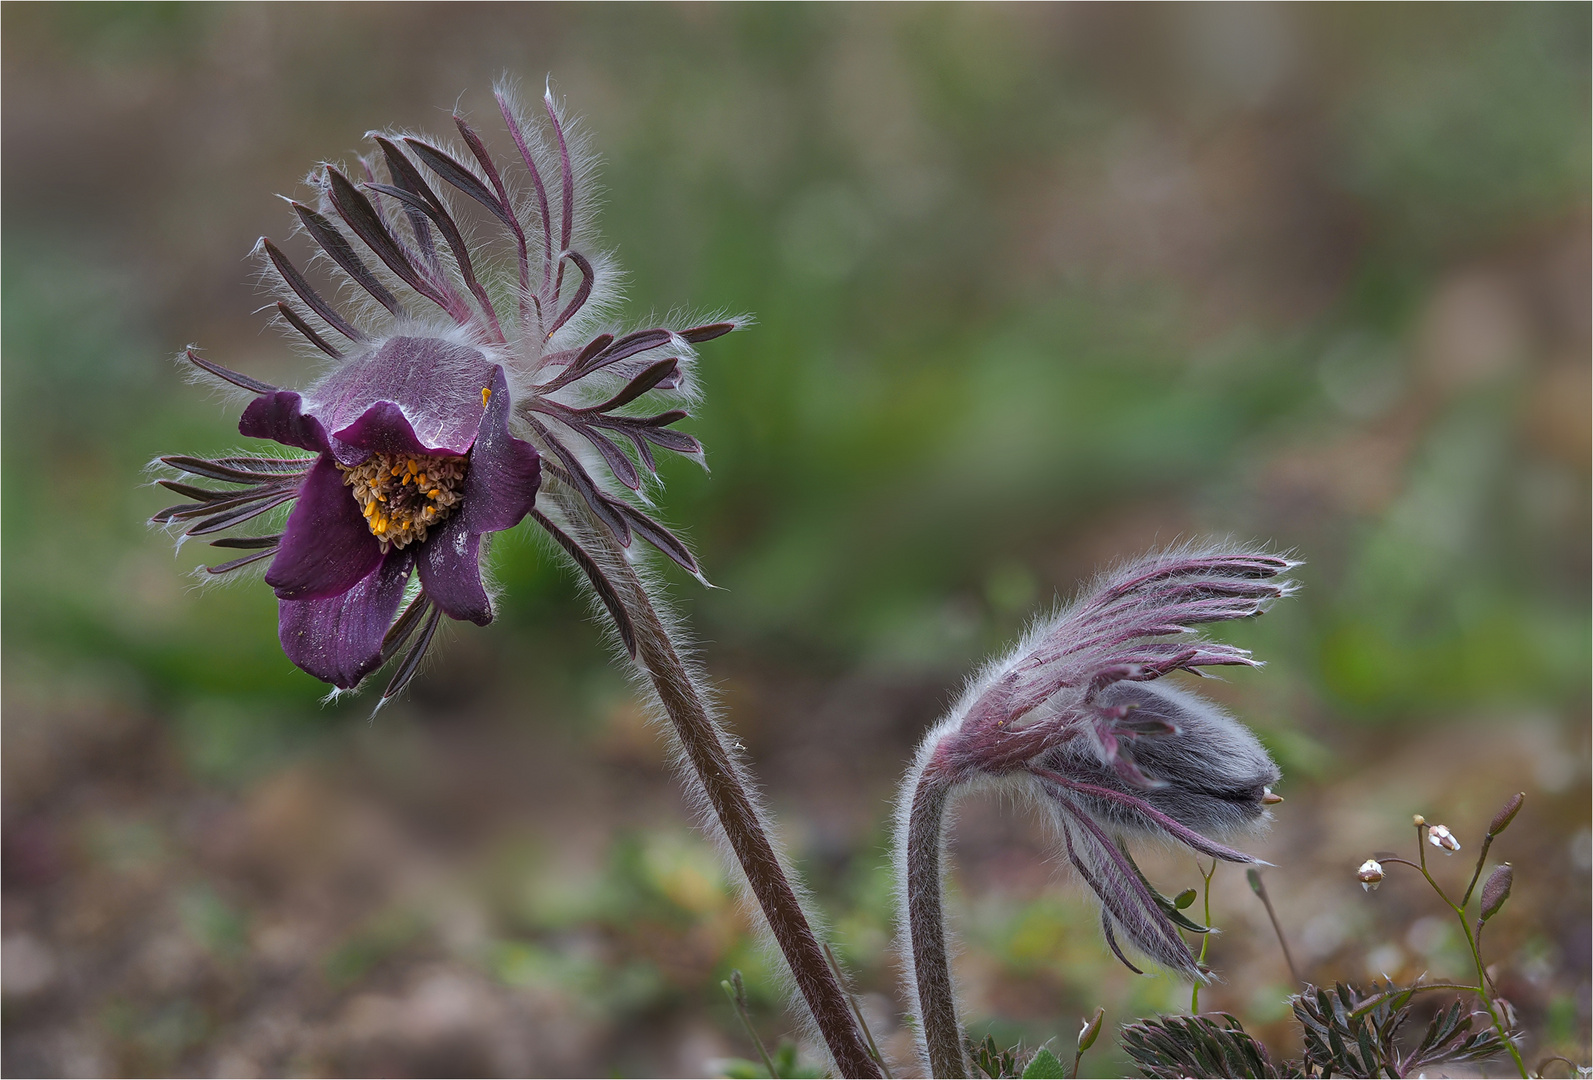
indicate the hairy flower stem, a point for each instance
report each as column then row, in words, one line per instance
column 721, row 781
column 927, row 956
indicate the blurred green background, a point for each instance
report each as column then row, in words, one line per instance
column 1036, row 287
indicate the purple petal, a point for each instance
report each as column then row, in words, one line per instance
column 385, row 429
column 327, row 547
column 450, row 571
column 435, row 384
column 279, row 416
column 1178, row 831
column 505, row 472
column 1123, row 894
column 500, row 489
column 338, row 639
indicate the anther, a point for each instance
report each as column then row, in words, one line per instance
column 401, row 497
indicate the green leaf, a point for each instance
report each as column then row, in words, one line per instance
column 1170, row 908
column 1044, row 1066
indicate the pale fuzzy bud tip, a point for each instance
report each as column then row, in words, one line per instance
column 1439, row 836
column 1418, row 820
column 1370, row 875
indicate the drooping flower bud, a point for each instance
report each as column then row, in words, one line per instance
column 1439, row 836
column 1079, row 717
column 1504, row 817
column 1497, row 890
column 1370, row 875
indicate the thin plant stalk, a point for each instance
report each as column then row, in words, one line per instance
column 1487, row 842
column 723, row 785
column 1205, row 939
column 1259, row 887
column 737, row 993
column 857, row 1011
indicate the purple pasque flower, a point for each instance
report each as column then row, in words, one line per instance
column 1075, row 719
column 458, row 402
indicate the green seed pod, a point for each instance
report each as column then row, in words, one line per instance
column 1497, row 890
column 1184, row 899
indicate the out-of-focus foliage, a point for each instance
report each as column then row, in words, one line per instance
column 1037, row 287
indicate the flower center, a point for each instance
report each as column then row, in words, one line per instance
column 403, row 496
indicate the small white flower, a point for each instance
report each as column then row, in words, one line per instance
column 1439, row 836
column 1370, row 875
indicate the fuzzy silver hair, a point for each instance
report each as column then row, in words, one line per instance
column 1070, row 721
column 1214, row 773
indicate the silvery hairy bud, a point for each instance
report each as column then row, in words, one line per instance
column 1082, row 710
column 1071, row 718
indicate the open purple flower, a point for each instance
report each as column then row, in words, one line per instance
column 497, row 398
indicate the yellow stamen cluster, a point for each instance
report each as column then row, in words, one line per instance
column 403, row 496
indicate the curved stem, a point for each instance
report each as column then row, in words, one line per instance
column 723, row 784
column 1482, row 857
column 926, row 926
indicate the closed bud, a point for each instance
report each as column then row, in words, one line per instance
column 1497, row 890
column 1091, row 1029
column 1370, row 875
column 1439, row 836
column 1503, row 818
column 1418, row 820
